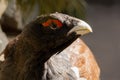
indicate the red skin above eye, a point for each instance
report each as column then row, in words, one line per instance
column 50, row 21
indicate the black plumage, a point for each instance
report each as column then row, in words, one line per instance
column 26, row 55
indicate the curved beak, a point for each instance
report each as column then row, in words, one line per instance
column 81, row 28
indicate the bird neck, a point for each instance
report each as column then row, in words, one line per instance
column 31, row 56
column 37, row 45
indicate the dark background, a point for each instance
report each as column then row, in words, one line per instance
column 104, row 17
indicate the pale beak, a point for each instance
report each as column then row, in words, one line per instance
column 81, row 28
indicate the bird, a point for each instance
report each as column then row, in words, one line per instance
column 18, row 13
column 35, row 54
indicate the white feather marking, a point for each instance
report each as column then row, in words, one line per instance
column 76, row 71
column 2, row 57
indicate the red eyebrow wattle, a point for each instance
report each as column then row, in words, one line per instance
column 58, row 23
column 47, row 23
column 50, row 21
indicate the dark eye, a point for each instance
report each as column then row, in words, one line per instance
column 53, row 26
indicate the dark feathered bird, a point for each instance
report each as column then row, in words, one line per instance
column 26, row 57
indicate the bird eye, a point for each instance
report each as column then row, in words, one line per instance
column 52, row 23
column 53, row 26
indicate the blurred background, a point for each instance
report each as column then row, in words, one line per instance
column 102, row 15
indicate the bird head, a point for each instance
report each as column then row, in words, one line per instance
column 57, row 31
